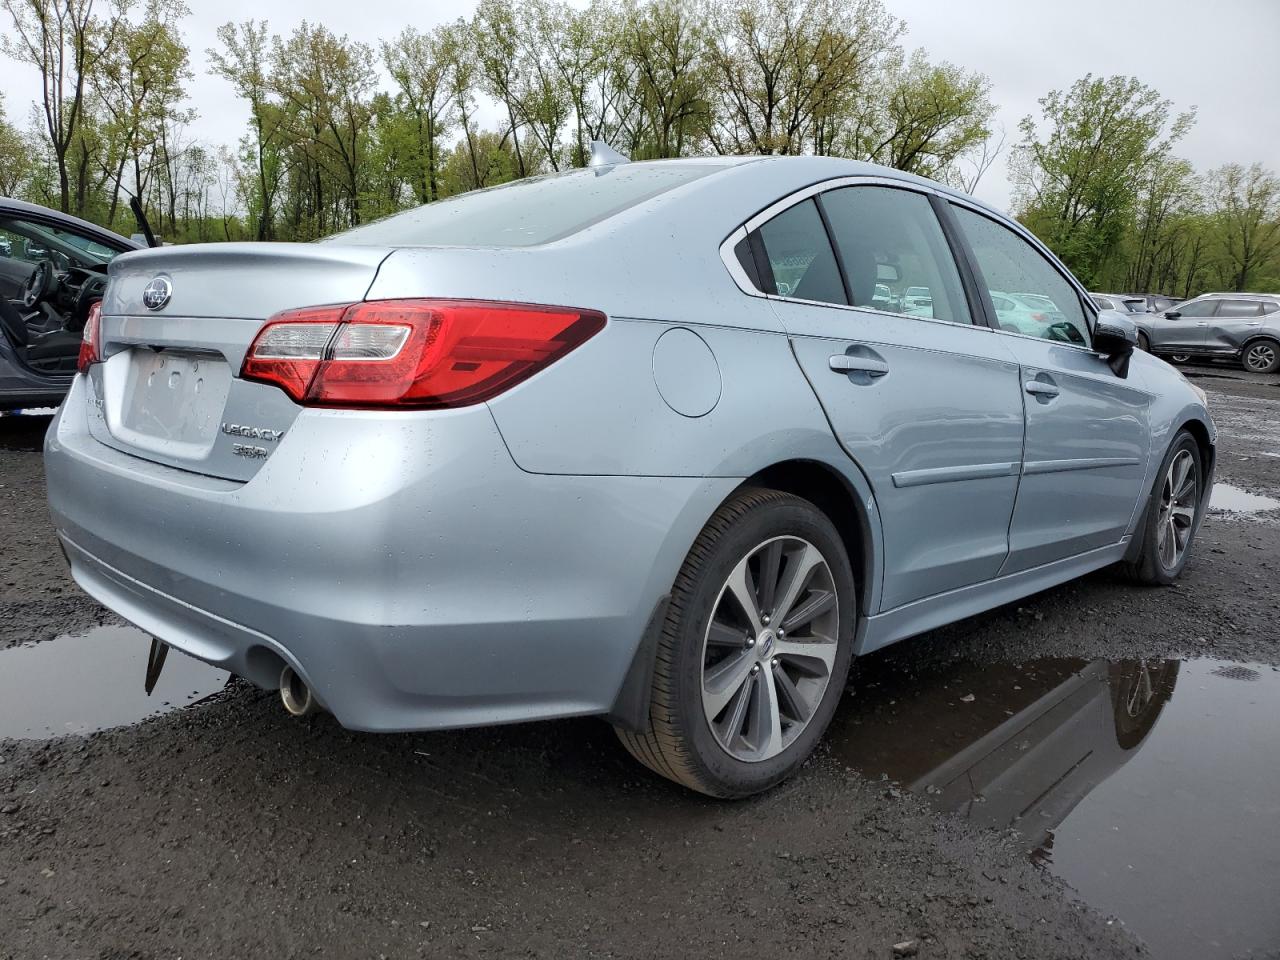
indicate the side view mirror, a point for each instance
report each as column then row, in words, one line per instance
column 1115, row 336
column 1172, row 314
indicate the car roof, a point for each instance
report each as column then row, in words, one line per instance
column 1242, row 296
column 9, row 205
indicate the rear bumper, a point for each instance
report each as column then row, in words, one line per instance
column 409, row 571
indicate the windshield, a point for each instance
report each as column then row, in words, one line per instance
column 530, row 211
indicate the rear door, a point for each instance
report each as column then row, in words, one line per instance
column 1087, row 433
column 1234, row 323
column 928, row 405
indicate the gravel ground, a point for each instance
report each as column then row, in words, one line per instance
column 228, row 830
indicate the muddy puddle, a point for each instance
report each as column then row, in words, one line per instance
column 1231, row 499
column 1152, row 788
column 92, row 681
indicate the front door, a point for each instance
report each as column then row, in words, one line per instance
column 928, row 404
column 1087, row 436
column 1182, row 330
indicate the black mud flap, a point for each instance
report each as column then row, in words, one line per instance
column 155, row 663
column 631, row 706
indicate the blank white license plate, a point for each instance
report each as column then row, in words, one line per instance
column 176, row 398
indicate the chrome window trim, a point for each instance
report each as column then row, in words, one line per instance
column 743, row 282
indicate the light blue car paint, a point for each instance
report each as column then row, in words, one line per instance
column 503, row 562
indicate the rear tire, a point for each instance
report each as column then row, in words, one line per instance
column 1172, row 515
column 1179, row 358
column 1261, row 356
column 738, row 704
column 1144, row 342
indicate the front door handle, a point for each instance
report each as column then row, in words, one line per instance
column 845, row 363
column 1041, row 388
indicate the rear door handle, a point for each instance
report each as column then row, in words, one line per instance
column 844, row 363
column 1041, row 388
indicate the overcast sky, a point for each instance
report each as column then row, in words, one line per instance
column 1222, row 57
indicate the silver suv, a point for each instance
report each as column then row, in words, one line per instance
column 1244, row 327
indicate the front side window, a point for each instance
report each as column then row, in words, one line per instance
column 891, row 239
column 1240, row 308
column 1197, row 308
column 1045, row 303
column 801, row 262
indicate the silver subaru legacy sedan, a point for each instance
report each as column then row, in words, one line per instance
column 642, row 441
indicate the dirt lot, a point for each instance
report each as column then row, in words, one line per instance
column 228, row 830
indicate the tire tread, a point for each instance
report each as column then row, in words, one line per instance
column 661, row 747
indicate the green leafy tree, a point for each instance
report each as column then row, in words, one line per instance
column 16, row 162
column 1245, row 207
column 1077, row 170
column 418, row 64
column 62, row 40
column 928, row 117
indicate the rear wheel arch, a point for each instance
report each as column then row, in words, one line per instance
column 832, row 493
column 837, row 496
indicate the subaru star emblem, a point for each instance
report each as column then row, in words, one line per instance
column 157, row 293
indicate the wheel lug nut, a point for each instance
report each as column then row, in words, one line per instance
column 764, row 619
column 755, row 668
column 774, row 662
column 781, row 633
column 751, row 642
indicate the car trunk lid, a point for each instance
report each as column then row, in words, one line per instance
column 176, row 323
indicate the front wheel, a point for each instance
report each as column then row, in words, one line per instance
column 755, row 649
column 1144, row 342
column 1172, row 514
column 1261, row 356
column 1179, row 358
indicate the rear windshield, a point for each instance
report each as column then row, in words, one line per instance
column 528, row 212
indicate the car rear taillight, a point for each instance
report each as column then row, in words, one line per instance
column 412, row 353
column 90, row 352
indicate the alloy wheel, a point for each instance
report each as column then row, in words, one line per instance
column 1178, row 498
column 770, row 648
column 1261, row 357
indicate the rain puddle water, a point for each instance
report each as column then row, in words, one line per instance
column 1152, row 788
column 92, row 681
column 1234, row 500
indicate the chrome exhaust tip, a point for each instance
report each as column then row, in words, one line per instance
column 296, row 695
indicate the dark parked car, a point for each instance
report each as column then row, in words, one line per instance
column 1244, row 327
column 53, row 268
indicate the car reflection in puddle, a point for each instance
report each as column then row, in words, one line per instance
column 1150, row 787
column 92, row 681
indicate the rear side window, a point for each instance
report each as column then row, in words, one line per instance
column 1102, row 303
column 530, row 211
column 1270, row 306
column 892, row 238
column 1240, row 308
column 800, row 258
column 1047, row 304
